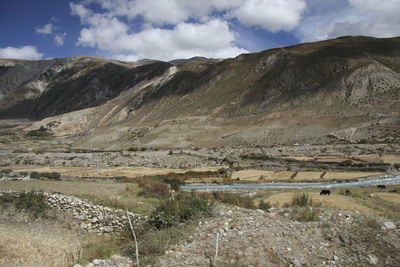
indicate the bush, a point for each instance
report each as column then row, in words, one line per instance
column 6, row 171
column 35, row 175
column 264, row 205
column 301, row 200
column 182, row 208
column 50, row 175
column 41, row 132
column 152, row 188
column 308, row 214
column 33, row 202
column 153, row 242
column 397, row 165
column 346, row 163
column 235, row 199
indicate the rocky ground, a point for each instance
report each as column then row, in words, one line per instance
column 183, row 158
column 276, row 238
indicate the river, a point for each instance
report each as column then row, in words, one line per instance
column 271, row 186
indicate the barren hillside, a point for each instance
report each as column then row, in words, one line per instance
column 340, row 90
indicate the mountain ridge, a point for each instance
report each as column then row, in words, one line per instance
column 320, row 89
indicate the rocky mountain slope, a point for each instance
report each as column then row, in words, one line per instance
column 340, row 90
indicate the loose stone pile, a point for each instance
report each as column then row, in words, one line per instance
column 91, row 218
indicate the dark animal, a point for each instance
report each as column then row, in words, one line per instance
column 348, row 192
column 325, row 192
column 393, row 191
column 381, row 186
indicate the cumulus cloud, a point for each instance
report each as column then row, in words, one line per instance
column 378, row 18
column 272, row 15
column 59, row 38
column 109, row 34
column 46, row 29
column 24, row 52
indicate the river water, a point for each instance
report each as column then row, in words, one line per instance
column 266, row 186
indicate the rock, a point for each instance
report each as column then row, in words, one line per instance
column 83, row 226
column 96, row 262
column 117, row 259
column 108, row 229
column 95, row 220
column 77, row 265
column 371, row 195
column 89, row 264
column 335, row 258
column 372, row 259
column 389, row 225
column 260, row 211
column 331, row 263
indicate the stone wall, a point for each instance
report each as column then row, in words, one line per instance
column 90, row 217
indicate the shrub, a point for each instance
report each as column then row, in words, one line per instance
column 182, row 208
column 51, row 175
column 153, row 242
column 100, row 247
column 235, row 199
column 397, row 165
column 308, row 214
column 346, row 163
column 152, row 188
column 33, row 202
column 301, row 200
column 222, row 171
column 35, row 175
column 41, row 132
column 264, row 205
column 6, row 171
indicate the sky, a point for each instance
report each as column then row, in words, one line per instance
column 131, row 30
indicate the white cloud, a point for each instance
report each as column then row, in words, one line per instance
column 109, row 34
column 46, row 29
column 25, row 52
column 166, row 11
column 272, row 15
column 378, row 18
column 59, row 38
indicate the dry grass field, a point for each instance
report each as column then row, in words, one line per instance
column 37, row 244
column 267, row 176
column 104, row 172
column 366, row 200
column 335, row 200
column 369, row 158
column 107, row 193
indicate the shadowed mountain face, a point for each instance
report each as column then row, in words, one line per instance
column 339, row 78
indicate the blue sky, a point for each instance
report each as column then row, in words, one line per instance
column 169, row 29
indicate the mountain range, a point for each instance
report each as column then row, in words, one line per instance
column 340, row 90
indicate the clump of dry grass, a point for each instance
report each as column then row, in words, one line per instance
column 235, row 199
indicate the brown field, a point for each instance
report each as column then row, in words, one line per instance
column 255, row 175
column 108, row 171
column 382, row 203
column 107, row 193
column 389, row 197
column 37, row 244
column 336, row 201
column 370, row 158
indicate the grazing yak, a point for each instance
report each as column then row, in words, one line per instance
column 325, row 192
column 393, row 191
column 381, row 186
column 348, row 192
